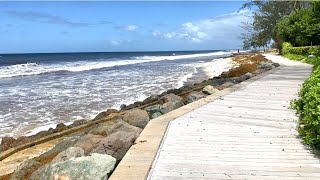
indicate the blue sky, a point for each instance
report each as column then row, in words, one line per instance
column 30, row 27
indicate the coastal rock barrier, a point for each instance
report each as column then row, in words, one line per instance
column 95, row 147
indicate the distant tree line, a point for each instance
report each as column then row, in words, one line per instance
column 296, row 22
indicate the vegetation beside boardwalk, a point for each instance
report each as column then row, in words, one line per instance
column 294, row 29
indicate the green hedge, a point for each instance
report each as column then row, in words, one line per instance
column 287, row 48
column 308, row 109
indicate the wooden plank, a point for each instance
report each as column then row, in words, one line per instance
column 247, row 134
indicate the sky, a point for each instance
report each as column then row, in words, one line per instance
column 41, row 27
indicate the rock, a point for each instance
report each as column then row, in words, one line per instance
column 226, row 85
column 170, row 106
column 135, row 117
column 63, row 145
column 60, row 127
column 155, row 115
column 88, row 142
column 71, row 152
column 311, row 56
column 42, row 134
column 106, row 129
column 105, row 114
column 265, row 66
column 276, row 64
column 155, row 109
column 244, row 77
column 10, row 142
column 94, row 167
column 194, row 96
column 217, row 81
column 170, row 98
column 150, row 99
column 7, row 143
column 210, row 90
column 258, row 71
column 116, row 145
column 78, row 123
column 25, row 169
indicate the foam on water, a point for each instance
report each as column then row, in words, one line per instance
column 40, row 102
column 29, row 69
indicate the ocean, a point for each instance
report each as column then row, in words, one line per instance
column 38, row 91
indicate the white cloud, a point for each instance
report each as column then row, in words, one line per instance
column 156, row 33
column 132, row 27
column 115, row 42
column 224, row 28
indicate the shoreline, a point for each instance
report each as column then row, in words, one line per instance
column 154, row 106
column 201, row 72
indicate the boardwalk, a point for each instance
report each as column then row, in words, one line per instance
column 248, row 134
column 244, row 133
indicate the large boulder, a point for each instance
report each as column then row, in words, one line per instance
column 77, row 123
column 155, row 115
column 71, row 152
column 155, row 109
column 226, row 85
column 170, row 98
column 88, row 142
column 25, row 169
column 116, row 145
column 209, row 90
column 170, row 106
column 105, row 114
column 10, row 142
column 94, row 167
column 135, row 117
column 61, row 146
column 266, row 66
column 194, row 96
column 108, row 128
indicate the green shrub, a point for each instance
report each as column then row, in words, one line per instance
column 287, row 48
column 308, row 109
column 315, row 50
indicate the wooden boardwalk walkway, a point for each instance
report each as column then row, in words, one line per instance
column 247, row 134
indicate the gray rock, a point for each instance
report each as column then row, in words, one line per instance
column 71, row 152
column 78, row 123
column 25, row 169
column 276, row 64
column 226, row 85
column 106, row 129
column 194, row 96
column 155, row 115
column 94, row 167
column 170, row 98
column 153, row 110
column 135, row 117
column 170, row 106
column 116, row 145
column 63, row 145
column 266, row 66
column 88, row 142
column 105, row 114
column 210, row 90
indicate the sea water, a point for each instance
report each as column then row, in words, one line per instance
column 38, row 91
